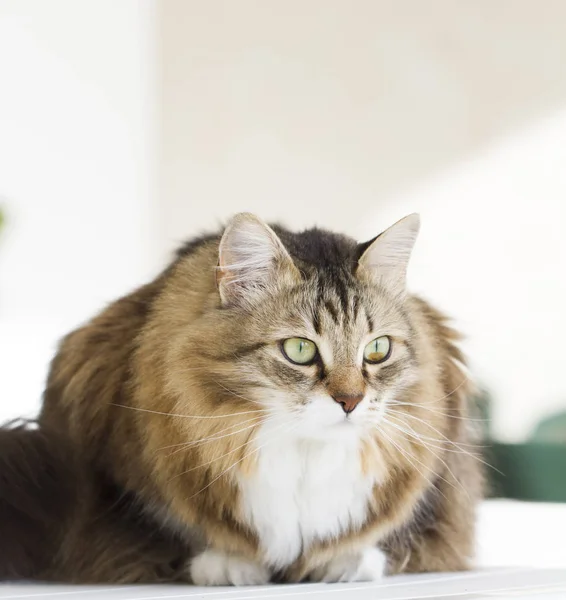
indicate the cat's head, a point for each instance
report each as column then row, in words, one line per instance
column 311, row 327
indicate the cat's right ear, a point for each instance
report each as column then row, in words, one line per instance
column 251, row 260
column 385, row 259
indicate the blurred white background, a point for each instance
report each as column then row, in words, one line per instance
column 126, row 127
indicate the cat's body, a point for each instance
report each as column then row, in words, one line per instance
column 198, row 450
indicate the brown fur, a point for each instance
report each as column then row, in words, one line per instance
column 32, row 465
column 138, row 500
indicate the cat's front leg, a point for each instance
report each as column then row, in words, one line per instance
column 366, row 565
column 214, row 567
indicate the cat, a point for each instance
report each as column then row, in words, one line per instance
column 273, row 407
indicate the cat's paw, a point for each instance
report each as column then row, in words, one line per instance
column 368, row 565
column 218, row 568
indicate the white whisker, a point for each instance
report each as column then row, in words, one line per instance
column 213, row 435
column 178, row 416
column 458, row 445
column 444, row 440
column 416, row 437
column 444, row 437
column 197, row 443
column 410, row 458
column 465, row 380
column 295, row 425
column 437, row 411
column 221, row 456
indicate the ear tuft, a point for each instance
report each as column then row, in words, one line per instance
column 251, row 259
column 385, row 259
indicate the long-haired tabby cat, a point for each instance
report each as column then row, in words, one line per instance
column 273, row 407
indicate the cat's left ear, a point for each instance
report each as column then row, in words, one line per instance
column 385, row 258
column 252, row 260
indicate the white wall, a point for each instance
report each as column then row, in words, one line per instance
column 76, row 87
column 320, row 111
column 492, row 253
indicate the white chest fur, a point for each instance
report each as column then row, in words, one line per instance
column 303, row 491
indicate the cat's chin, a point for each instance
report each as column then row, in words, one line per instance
column 342, row 429
column 344, row 424
column 346, row 428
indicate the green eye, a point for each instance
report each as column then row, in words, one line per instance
column 378, row 350
column 299, row 350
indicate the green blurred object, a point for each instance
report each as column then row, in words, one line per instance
column 534, row 470
column 551, row 430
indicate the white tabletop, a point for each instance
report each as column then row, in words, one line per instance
column 489, row 584
column 521, row 554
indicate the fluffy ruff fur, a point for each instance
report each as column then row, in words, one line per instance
column 177, row 442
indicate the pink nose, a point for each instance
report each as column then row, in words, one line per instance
column 348, row 403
